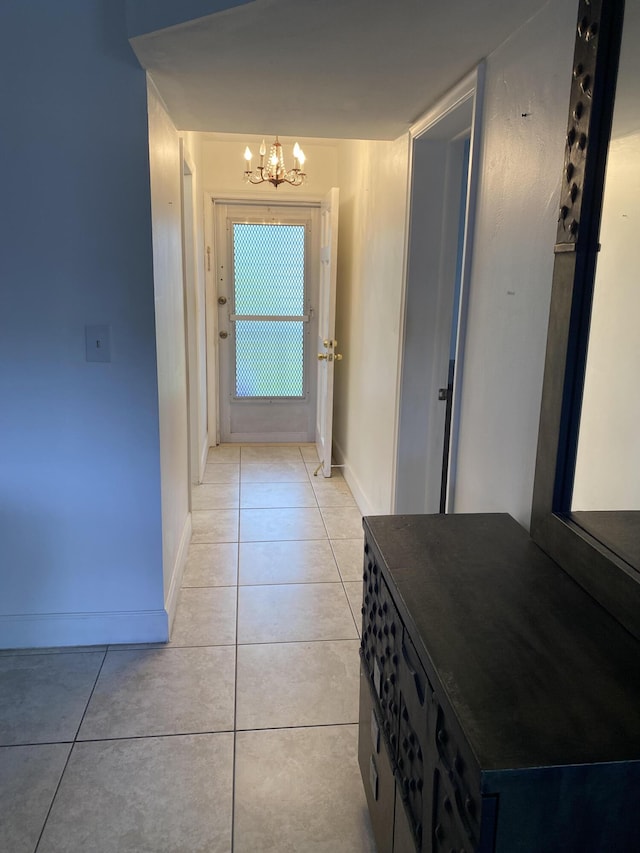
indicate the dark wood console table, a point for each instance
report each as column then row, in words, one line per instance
column 499, row 703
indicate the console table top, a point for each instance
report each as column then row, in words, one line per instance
column 537, row 673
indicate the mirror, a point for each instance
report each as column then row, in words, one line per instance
column 606, row 487
column 590, row 531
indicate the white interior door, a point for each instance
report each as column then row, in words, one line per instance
column 327, row 355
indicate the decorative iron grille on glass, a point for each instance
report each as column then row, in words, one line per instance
column 269, row 318
column 273, row 170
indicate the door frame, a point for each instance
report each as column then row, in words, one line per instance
column 212, row 202
column 326, row 343
column 417, row 459
column 194, row 324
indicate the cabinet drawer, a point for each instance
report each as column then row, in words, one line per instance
column 375, row 767
column 403, row 838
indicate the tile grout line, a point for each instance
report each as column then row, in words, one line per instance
column 353, row 615
column 336, row 560
column 234, row 731
column 237, row 644
column 298, row 726
column 73, row 744
column 235, row 680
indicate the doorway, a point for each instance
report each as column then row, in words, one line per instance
column 443, row 171
column 267, row 288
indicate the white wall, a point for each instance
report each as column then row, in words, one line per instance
column 373, row 192
column 80, row 519
column 520, row 167
column 518, row 197
column 165, row 171
column 609, row 450
column 196, row 282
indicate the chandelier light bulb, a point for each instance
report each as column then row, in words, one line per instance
column 263, row 149
column 247, row 154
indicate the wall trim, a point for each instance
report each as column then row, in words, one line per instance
column 204, row 453
column 171, row 598
column 462, row 91
column 46, row 630
column 364, row 505
column 211, row 320
column 470, row 88
column 255, row 197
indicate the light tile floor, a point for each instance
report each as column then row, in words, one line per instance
column 240, row 734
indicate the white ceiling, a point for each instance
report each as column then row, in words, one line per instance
column 360, row 69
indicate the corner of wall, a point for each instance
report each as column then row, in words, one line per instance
column 171, row 600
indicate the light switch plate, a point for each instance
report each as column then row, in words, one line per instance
column 98, row 343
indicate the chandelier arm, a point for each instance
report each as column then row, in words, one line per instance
column 254, row 179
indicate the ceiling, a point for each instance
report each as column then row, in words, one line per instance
column 350, row 69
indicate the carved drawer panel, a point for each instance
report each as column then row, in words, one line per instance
column 450, row 828
column 462, row 792
column 380, row 645
column 415, row 740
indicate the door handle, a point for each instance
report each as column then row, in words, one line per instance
column 325, row 356
column 224, row 335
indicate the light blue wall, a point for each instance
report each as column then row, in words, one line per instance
column 145, row 16
column 80, row 518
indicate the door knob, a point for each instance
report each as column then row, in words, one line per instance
column 324, row 356
column 222, row 300
column 224, row 335
column 338, row 356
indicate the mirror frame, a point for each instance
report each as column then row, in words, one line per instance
column 608, row 578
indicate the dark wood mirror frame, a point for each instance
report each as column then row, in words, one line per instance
column 596, row 567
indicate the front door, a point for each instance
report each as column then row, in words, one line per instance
column 267, row 325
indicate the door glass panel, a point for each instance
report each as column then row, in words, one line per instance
column 268, row 269
column 269, row 359
column 269, row 283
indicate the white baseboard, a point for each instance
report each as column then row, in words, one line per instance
column 204, row 452
column 171, row 598
column 44, row 630
column 267, row 438
column 364, row 505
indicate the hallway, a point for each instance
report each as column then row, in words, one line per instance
column 240, row 733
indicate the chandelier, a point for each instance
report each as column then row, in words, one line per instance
column 272, row 169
